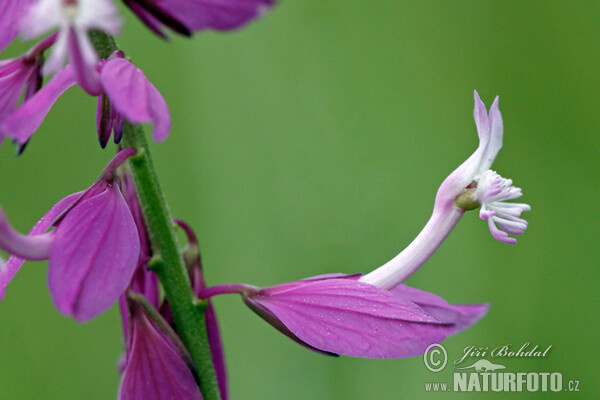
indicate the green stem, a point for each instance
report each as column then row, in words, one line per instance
column 169, row 266
column 170, row 269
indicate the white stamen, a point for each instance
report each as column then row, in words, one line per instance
column 492, row 190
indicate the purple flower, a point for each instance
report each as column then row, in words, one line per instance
column 74, row 18
column 155, row 368
column 11, row 12
column 376, row 315
column 21, row 73
column 14, row 75
column 187, row 16
column 92, row 251
column 130, row 93
column 471, row 185
column 341, row 315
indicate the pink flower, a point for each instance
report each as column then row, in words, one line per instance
column 73, row 18
column 19, row 74
column 376, row 315
column 155, row 369
column 466, row 188
column 130, row 93
column 338, row 314
column 92, row 252
column 11, row 12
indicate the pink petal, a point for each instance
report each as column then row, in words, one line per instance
column 496, row 130
column 22, row 123
column 481, row 119
column 93, row 256
column 344, row 316
column 13, row 77
column 135, row 97
column 461, row 316
column 11, row 11
column 83, row 60
column 13, row 264
column 199, row 15
column 155, row 370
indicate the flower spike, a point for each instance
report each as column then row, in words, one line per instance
column 188, row 16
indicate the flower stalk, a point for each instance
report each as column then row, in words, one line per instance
column 168, row 263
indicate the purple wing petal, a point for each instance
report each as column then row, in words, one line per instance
column 199, row 15
column 94, row 255
column 13, row 77
column 155, row 369
column 82, row 57
column 22, row 123
column 461, row 316
column 344, row 316
column 11, row 12
column 13, row 264
column 135, row 97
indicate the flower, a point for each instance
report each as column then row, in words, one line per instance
column 74, row 18
column 187, row 16
column 92, row 251
column 130, row 93
column 466, row 188
column 155, row 368
column 21, row 73
column 338, row 314
column 11, row 11
column 376, row 315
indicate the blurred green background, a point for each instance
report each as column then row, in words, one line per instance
column 313, row 141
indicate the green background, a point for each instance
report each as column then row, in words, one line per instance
column 313, row 141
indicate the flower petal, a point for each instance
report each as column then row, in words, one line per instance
column 199, row 15
column 148, row 19
column 461, row 316
column 135, row 97
column 462, row 176
column 22, row 123
column 11, row 12
column 344, row 316
column 83, row 60
column 155, row 370
column 93, row 256
column 495, row 140
column 13, row 264
column 13, row 77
